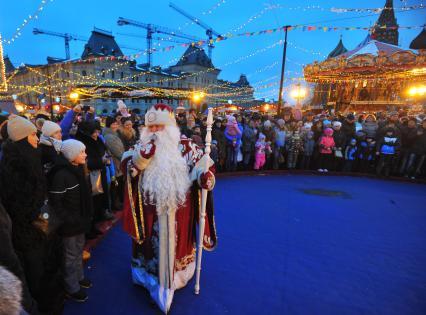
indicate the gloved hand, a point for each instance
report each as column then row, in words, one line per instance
column 134, row 171
column 148, row 150
column 207, row 180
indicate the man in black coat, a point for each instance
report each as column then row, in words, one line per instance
column 408, row 138
column 417, row 153
column 348, row 127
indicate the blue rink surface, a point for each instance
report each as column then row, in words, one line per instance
column 290, row 244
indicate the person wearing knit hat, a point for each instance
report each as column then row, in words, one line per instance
column 50, row 143
column 19, row 128
column 51, row 129
column 327, row 145
column 340, row 141
column 70, row 196
column 23, row 191
column 73, row 150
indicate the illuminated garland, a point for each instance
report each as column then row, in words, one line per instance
column 99, row 83
column 3, row 82
column 26, row 21
column 315, row 53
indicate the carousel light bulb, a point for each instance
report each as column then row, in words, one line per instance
column 421, row 90
column 412, row 91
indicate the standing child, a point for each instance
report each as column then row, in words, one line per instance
column 214, row 153
column 70, row 199
column 295, row 145
column 326, row 147
column 350, row 155
column 387, row 147
column 308, row 149
column 261, row 148
column 366, row 154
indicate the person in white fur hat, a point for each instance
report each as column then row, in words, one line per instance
column 50, row 143
column 164, row 174
column 122, row 108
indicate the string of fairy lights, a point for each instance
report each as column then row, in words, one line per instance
column 26, row 21
column 127, row 82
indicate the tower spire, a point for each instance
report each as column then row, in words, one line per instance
column 387, row 19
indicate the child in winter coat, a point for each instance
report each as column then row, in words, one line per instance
column 366, row 154
column 350, row 155
column 294, row 146
column 326, row 147
column 261, row 148
column 233, row 135
column 232, row 127
column 214, row 153
column 387, row 148
column 308, row 149
column 70, row 199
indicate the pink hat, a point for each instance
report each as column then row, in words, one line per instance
column 328, row 131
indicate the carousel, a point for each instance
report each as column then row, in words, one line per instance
column 373, row 76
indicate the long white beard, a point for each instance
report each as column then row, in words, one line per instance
column 166, row 180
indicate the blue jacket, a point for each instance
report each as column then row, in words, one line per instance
column 66, row 124
column 389, row 145
column 350, row 152
column 280, row 136
column 237, row 137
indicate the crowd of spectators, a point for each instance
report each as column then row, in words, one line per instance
column 59, row 180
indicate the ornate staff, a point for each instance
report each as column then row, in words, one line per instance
column 203, row 201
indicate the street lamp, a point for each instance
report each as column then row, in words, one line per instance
column 74, row 97
column 298, row 93
column 197, row 97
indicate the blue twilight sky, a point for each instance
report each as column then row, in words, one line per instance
column 259, row 57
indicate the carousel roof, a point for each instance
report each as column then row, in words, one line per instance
column 373, row 47
column 420, row 41
column 340, row 49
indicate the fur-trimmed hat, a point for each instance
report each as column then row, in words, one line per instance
column 160, row 114
column 122, row 108
column 337, row 124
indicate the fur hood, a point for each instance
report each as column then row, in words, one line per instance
column 10, row 293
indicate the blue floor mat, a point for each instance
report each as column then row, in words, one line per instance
column 290, row 244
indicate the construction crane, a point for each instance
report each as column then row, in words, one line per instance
column 67, row 37
column 151, row 29
column 209, row 30
column 169, row 39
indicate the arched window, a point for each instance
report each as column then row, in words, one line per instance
column 112, row 74
column 103, row 73
column 83, row 73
